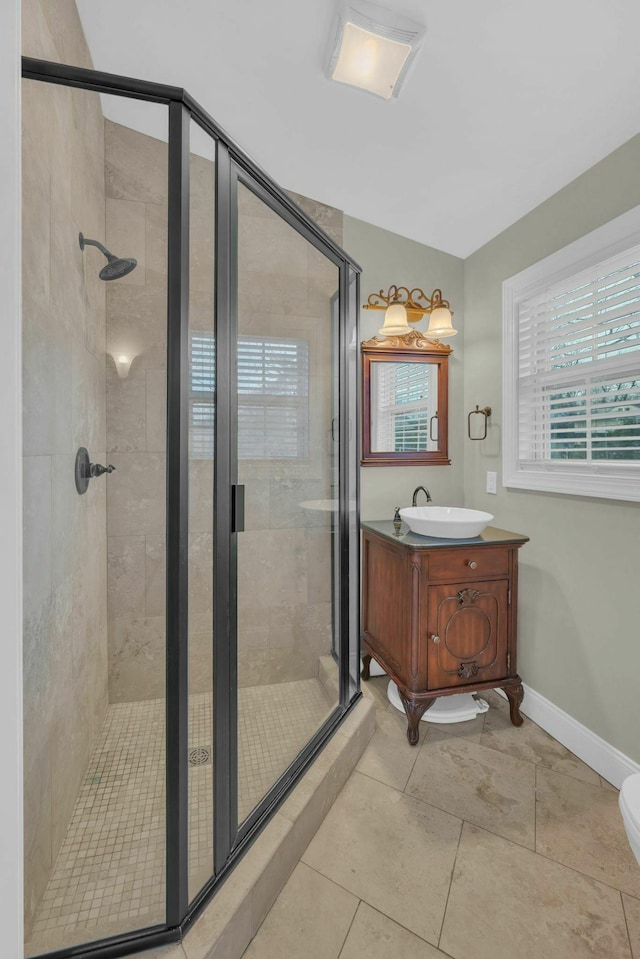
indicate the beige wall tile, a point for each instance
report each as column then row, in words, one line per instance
column 136, row 494
column 135, row 165
column 88, row 418
column 201, row 225
column 330, row 219
column 126, row 576
column 269, row 246
column 37, row 532
column 137, row 324
column 36, row 200
column 136, row 659
column 155, row 567
column 272, row 568
column 126, row 409
column 156, row 225
column 200, row 573
column 156, row 412
column 65, row 29
column 126, row 236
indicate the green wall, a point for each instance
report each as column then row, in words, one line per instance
column 388, row 258
column 579, row 632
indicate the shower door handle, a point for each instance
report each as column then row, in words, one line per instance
column 237, row 508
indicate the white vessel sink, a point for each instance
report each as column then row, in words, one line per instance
column 448, row 522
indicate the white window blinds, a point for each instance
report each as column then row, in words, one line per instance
column 579, row 367
column 273, row 397
column 571, row 367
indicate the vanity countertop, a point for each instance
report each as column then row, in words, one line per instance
column 490, row 537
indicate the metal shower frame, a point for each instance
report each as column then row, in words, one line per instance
column 232, row 166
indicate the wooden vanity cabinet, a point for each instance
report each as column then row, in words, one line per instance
column 440, row 616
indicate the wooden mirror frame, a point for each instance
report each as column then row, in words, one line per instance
column 413, row 347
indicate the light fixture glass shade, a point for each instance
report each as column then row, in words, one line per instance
column 123, row 363
column 395, row 321
column 372, row 47
column 440, row 324
column 370, row 62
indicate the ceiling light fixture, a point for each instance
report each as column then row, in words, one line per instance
column 373, row 48
column 403, row 306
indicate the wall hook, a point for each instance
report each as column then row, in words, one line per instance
column 486, row 412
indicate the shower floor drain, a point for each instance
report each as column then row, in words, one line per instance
column 200, row 756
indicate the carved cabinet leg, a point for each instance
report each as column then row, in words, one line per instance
column 366, row 664
column 415, row 711
column 515, row 694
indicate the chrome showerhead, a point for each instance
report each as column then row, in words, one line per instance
column 116, row 267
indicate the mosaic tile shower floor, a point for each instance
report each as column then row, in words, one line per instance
column 109, row 873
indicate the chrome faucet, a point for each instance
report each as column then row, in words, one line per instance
column 415, row 494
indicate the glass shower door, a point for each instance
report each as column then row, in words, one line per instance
column 286, row 439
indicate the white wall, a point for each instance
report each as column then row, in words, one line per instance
column 388, row 258
column 579, row 638
column 10, row 491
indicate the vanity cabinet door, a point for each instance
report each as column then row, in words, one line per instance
column 466, row 633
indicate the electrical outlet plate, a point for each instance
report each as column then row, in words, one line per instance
column 492, row 482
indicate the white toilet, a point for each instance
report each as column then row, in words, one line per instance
column 629, row 802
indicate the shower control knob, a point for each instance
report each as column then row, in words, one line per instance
column 435, row 639
column 95, row 469
column 85, row 470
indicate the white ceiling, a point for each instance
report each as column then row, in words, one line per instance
column 509, row 100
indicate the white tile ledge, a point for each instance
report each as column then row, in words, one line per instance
column 234, row 915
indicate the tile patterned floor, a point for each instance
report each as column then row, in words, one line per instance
column 484, row 842
column 109, row 873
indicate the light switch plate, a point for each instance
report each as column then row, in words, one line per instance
column 492, row 482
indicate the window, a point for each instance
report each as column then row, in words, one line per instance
column 273, row 397
column 572, row 367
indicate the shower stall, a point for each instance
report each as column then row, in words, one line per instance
column 190, row 505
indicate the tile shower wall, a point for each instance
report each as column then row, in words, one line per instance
column 136, row 214
column 65, row 615
column 286, row 630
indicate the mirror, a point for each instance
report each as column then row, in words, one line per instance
column 404, row 408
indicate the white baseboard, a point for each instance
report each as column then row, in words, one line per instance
column 608, row 761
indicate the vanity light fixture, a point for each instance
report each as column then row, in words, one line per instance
column 373, row 48
column 404, row 306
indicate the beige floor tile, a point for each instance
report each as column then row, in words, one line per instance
column 580, row 825
column 532, row 744
column 506, row 901
column 632, row 914
column 607, row 785
column 310, row 918
column 441, row 732
column 389, row 758
column 373, row 936
column 379, row 844
column 480, row 785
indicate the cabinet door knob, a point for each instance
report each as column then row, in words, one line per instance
column 436, row 639
column 472, row 565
